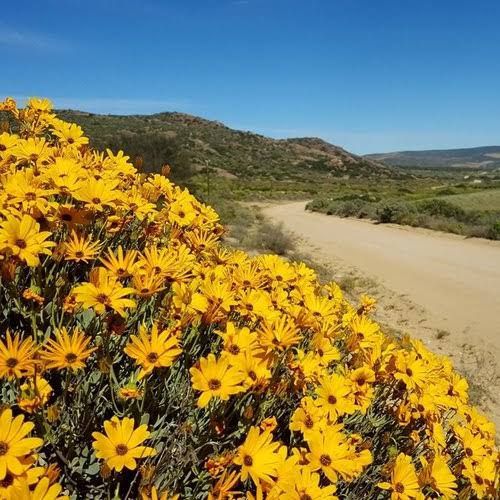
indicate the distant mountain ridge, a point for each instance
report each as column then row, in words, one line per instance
column 484, row 157
column 187, row 139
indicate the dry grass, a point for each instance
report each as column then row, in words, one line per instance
column 483, row 200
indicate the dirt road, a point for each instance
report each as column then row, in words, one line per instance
column 444, row 288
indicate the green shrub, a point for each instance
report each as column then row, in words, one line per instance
column 270, row 237
column 447, row 191
column 352, row 208
column 494, row 231
column 394, row 212
column 443, row 208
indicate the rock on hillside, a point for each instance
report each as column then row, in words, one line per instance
column 339, row 156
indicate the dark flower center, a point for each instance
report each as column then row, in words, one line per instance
column 96, row 200
column 21, row 243
column 71, row 357
column 214, row 384
column 309, row 422
column 325, row 460
column 152, row 357
column 409, row 372
column 248, row 460
column 11, row 362
column 4, row 448
column 399, row 488
column 102, row 298
column 234, row 349
column 305, row 496
column 332, row 399
column 79, row 254
column 121, row 449
column 7, row 481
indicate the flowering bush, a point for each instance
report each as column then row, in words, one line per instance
column 140, row 358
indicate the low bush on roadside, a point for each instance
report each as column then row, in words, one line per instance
column 494, row 231
column 346, row 208
column 269, row 237
column 442, row 208
column 398, row 213
column 433, row 213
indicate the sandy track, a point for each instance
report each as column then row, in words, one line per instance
column 452, row 283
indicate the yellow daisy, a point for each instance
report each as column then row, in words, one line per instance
column 121, row 264
column 104, row 293
column 23, row 239
column 404, row 482
column 44, row 490
column 153, row 350
column 79, row 248
column 215, row 378
column 67, row 350
column 16, row 356
column 259, row 457
column 14, row 445
column 122, row 444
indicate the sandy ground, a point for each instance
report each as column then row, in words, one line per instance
column 442, row 288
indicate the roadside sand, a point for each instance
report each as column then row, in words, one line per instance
column 442, row 288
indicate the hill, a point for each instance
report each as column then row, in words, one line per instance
column 190, row 143
column 482, row 158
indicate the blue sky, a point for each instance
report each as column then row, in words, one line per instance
column 369, row 75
